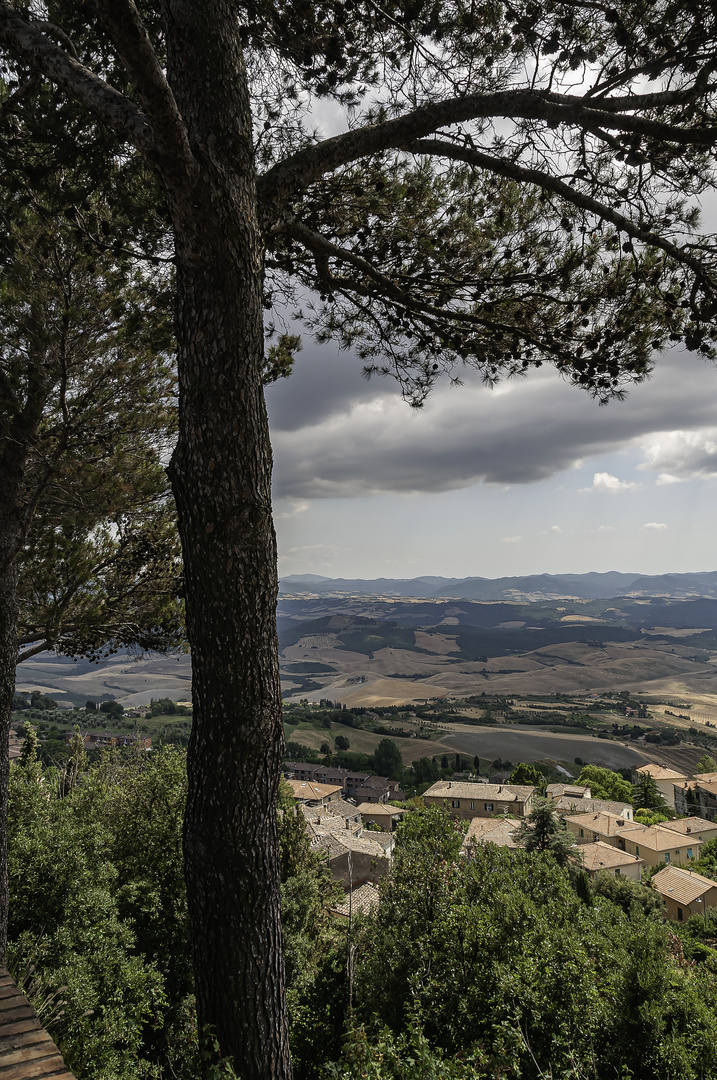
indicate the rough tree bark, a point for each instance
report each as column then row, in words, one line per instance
column 221, row 475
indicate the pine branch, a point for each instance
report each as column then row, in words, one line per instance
column 127, row 32
column 107, row 104
column 299, row 170
column 455, row 152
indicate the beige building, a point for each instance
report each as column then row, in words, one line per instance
column 556, row 791
column 604, row 858
column 466, row 801
column 490, row 830
column 653, row 844
column 568, row 804
column 664, row 778
column 656, row 844
column 588, row 828
column 698, row 796
column 386, row 817
column 685, row 893
column 307, row 791
column 692, row 826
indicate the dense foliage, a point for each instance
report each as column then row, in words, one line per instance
column 494, row 963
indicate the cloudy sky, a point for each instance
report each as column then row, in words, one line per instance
column 530, row 477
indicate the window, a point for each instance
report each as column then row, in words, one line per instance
column 617, row 871
column 473, row 805
column 456, row 803
column 637, row 849
column 689, row 853
column 489, row 807
column 582, row 832
column 679, row 914
column 667, row 856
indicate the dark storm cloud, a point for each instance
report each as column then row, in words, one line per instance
column 336, row 435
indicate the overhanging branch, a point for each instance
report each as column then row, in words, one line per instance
column 127, row 32
column 388, row 289
column 304, row 167
column 441, row 148
column 107, row 104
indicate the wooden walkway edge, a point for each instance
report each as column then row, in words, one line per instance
column 27, row 1052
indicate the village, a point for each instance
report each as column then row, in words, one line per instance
column 352, row 820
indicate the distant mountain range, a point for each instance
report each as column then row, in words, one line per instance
column 591, row 586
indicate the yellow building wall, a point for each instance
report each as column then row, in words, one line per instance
column 678, row 855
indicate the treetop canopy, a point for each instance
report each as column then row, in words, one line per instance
column 510, row 184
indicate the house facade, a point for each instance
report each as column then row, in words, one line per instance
column 685, row 893
column 602, row 858
column 467, row 801
column 665, row 780
column 698, row 796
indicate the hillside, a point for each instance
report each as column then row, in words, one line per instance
column 591, row 586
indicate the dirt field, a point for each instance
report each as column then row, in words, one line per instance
column 516, row 744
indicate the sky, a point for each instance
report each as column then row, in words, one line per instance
column 530, row 477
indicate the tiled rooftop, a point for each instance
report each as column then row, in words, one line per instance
column 359, row 900
column 685, row 886
column 496, row 830
column 446, row 789
column 601, row 856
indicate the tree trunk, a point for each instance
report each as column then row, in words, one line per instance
column 221, row 475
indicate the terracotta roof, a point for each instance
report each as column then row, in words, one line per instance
column 686, row 825
column 658, row 838
column 556, row 791
column 607, row 824
column 496, row 830
column 361, row 899
column 379, row 809
column 321, row 819
column 446, row 789
column 343, row 808
column 659, row 772
column 339, row 843
column 307, row 789
column 681, row 885
column 329, row 843
column 595, row 806
column 386, row 840
column 602, row 856
column 26, row 1049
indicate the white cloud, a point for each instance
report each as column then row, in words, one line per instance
column 511, row 539
column 681, row 455
column 604, row 482
column 555, row 529
column 654, row 525
column 296, row 506
column 311, row 557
